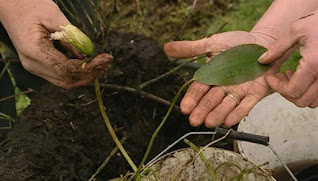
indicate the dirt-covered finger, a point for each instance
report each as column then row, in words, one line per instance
column 314, row 103
column 253, row 92
column 308, row 97
column 72, row 50
column 101, row 62
column 300, row 81
column 192, row 97
column 73, row 68
column 241, row 110
column 295, row 86
column 206, row 104
column 218, row 115
column 74, row 82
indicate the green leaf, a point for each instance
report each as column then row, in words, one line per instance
column 233, row 66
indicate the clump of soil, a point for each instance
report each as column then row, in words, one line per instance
column 61, row 135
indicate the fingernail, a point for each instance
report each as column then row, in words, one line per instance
column 260, row 59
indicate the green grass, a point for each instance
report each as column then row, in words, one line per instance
column 243, row 16
column 163, row 20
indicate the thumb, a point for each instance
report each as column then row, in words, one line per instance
column 279, row 48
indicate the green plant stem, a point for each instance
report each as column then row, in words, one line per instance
column 5, row 128
column 160, row 126
column 143, row 85
column 248, row 171
column 109, row 126
column 227, row 164
column 206, row 162
column 6, row 117
column 4, row 69
column 101, row 167
column 153, row 173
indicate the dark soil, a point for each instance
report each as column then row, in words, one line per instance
column 62, row 136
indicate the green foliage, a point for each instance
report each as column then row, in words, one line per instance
column 233, row 66
column 21, row 101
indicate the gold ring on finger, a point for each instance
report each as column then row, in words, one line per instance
column 233, row 97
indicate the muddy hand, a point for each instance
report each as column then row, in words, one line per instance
column 29, row 24
column 300, row 87
column 214, row 105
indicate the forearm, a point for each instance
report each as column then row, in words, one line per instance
column 281, row 14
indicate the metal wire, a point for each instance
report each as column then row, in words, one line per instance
column 176, row 142
column 285, row 166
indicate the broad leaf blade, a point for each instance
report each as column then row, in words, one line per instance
column 233, row 66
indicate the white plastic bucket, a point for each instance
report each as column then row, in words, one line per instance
column 186, row 164
column 292, row 131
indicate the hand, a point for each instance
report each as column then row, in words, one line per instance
column 214, row 104
column 300, row 87
column 29, row 24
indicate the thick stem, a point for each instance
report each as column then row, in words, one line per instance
column 161, row 125
column 109, row 126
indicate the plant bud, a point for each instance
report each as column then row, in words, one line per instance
column 71, row 34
